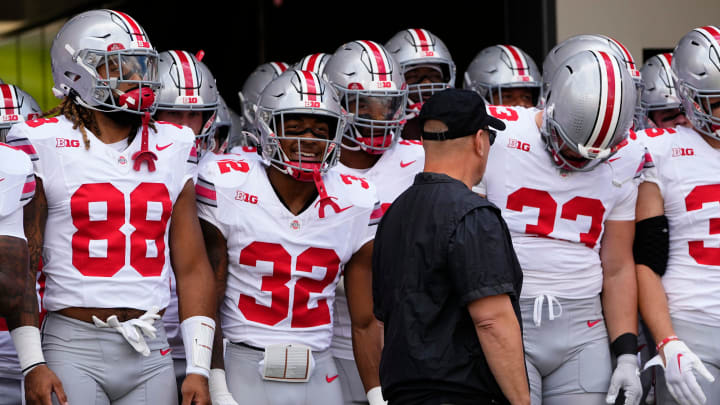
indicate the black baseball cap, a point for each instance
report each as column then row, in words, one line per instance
column 462, row 111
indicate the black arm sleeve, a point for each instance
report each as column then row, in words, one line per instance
column 652, row 243
column 481, row 259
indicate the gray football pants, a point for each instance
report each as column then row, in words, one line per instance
column 99, row 367
column 568, row 358
column 248, row 387
column 352, row 387
column 10, row 391
column 704, row 341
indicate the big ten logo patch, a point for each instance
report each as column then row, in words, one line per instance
column 246, row 197
column 515, row 144
column 683, row 152
column 66, row 143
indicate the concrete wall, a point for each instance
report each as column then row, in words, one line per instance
column 637, row 24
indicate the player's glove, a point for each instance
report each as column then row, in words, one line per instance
column 626, row 377
column 219, row 394
column 133, row 330
column 375, row 396
column 679, row 376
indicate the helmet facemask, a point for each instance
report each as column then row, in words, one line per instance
column 558, row 143
column 699, row 109
column 376, row 118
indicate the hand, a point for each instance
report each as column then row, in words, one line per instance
column 133, row 329
column 626, row 377
column 195, row 390
column 40, row 383
column 218, row 388
column 679, row 365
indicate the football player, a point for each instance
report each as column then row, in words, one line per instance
column 660, row 99
column 675, row 247
column 280, row 231
column 315, row 62
column 427, row 66
column 114, row 206
column 373, row 91
column 564, row 178
column 250, row 93
column 18, row 302
column 504, row 75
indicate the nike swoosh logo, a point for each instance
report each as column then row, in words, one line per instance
column 164, row 352
column 163, row 147
column 679, row 368
column 2, row 179
column 593, row 323
column 613, row 159
column 403, row 164
column 330, row 379
column 343, row 209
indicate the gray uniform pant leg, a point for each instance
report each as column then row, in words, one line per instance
column 704, row 341
column 568, row 358
column 352, row 387
column 179, row 365
column 98, row 367
column 10, row 391
column 248, row 387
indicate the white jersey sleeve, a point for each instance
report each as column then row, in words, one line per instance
column 17, row 187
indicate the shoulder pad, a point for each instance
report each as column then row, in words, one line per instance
column 356, row 189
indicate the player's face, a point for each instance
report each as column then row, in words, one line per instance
column 422, row 75
column 379, row 108
column 572, row 157
column 715, row 106
column 129, row 69
column 669, row 118
column 513, row 97
column 188, row 118
column 305, row 130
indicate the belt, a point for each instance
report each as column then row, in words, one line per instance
column 86, row 314
column 243, row 344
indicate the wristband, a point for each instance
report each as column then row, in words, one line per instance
column 197, row 334
column 666, row 341
column 375, row 397
column 624, row 344
column 28, row 347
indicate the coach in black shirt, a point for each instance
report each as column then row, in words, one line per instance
column 446, row 280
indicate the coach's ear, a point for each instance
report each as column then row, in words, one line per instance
column 481, row 146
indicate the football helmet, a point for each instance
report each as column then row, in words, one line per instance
column 103, row 60
column 372, row 90
column 589, row 110
column 254, row 85
column 223, row 123
column 696, row 71
column 414, row 48
column 315, row 62
column 16, row 106
column 659, row 91
column 293, row 93
column 188, row 85
column 502, row 66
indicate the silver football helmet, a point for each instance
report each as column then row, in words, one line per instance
column 502, row 66
column 16, row 106
column 373, row 90
column 103, row 60
column 696, row 71
column 294, row 93
column 188, row 85
column 254, row 85
column 414, row 48
column 315, row 62
column 659, row 91
column 589, row 110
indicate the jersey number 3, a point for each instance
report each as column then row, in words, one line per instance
column 700, row 195
column 277, row 285
column 98, row 213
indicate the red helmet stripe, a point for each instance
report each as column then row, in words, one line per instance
column 609, row 87
column 377, row 54
column 312, row 62
column 279, row 67
column 712, row 34
column 10, row 100
column 423, row 38
column 134, row 26
column 518, row 58
column 184, row 63
column 629, row 61
column 311, row 85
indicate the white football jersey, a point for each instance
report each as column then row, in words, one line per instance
column 106, row 236
column 687, row 171
column 282, row 268
column 556, row 219
column 392, row 174
column 17, row 187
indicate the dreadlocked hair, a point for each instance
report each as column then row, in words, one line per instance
column 82, row 118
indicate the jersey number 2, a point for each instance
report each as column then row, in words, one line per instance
column 150, row 209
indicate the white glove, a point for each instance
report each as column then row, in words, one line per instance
column 375, row 397
column 679, row 376
column 133, row 329
column 627, row 377
column 219, row 394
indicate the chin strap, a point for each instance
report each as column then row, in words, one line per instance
column 144, row 154
column 325, row 199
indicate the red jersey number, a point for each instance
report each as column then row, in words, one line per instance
column 150, row 209
column 547, row 206
column 694, row 201
column 503, row 113
column 276, row 284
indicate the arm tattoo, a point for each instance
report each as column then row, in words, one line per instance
column 34, row 218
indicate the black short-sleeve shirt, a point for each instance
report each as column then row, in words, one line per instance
column 439, row 247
